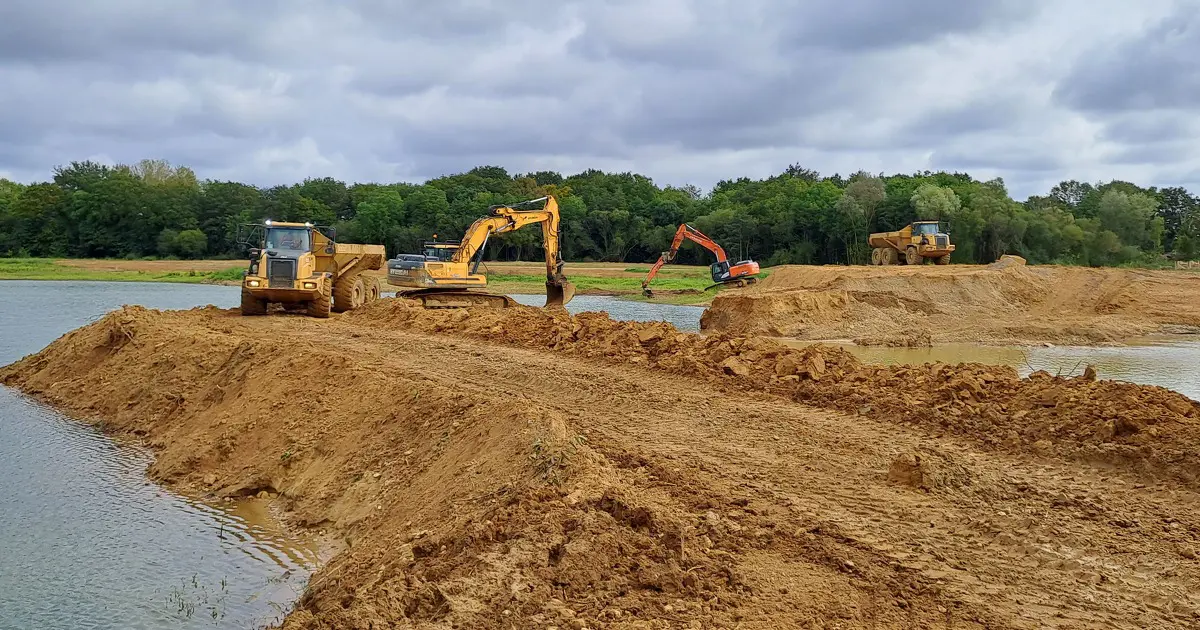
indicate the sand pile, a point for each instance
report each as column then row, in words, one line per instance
column 454, row 505
column 653, row 344
column 1003, row 303
column 519, row 468
column 1150, row 428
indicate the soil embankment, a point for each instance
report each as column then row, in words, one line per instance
column 1002, row 303
column 530, row 469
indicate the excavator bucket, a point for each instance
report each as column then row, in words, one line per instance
column 558, row 294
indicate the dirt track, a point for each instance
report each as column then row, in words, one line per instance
column 991, row 304
column 581, row 473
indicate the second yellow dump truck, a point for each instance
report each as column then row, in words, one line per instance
column 916, row 243
column 300, row 266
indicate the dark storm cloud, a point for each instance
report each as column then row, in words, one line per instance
column 33, row 31
column 272, row 91
column 1155, row 70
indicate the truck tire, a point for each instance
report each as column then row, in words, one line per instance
column 349, row 293
column 319, row 308
column 890, row 256
column 876, row 256
column 372, row 289
column 252, row 305
column 943, row 260
column 912, row 257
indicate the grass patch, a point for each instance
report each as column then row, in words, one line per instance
column 49, row 269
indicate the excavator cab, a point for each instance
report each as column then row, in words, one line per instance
column 720, row 271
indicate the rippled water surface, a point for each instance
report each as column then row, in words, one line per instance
column 85, row 540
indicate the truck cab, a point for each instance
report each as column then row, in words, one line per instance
column 283, row 267
column 300, row 266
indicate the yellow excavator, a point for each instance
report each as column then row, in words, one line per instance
column 447, row 276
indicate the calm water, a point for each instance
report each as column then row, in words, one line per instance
column 85, row 541
column 1171, row 363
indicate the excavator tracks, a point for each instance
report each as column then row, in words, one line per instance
column 452, row 298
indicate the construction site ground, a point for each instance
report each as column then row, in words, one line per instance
column 525, row 469
column 1002, row 303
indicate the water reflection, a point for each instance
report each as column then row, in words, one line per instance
column 85, row 540
column 1171, row 362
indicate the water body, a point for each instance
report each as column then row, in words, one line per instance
column 85, row 540
column 1171, row 362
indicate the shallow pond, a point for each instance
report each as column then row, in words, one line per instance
column 1173, row 363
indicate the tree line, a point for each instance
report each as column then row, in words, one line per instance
column 153, row 208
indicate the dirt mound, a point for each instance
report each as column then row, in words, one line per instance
column 1004, row 303
column 652, row 344
column 1144, row 427
column 928, row 469
column 522, row 468
column 456, row 506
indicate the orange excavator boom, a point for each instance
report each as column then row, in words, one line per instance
column 722, row 271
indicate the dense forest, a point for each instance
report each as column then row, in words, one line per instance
column 799, row 216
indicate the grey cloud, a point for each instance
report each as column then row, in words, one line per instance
column 1138, row 127
column 1155, row 70
column 34, row 31
column 1006, row 158
column 873, row 25
column 271, row 90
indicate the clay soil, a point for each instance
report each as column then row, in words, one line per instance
column 526, row 469
column 1000, row 304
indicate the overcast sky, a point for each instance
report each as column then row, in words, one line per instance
column 684, row 91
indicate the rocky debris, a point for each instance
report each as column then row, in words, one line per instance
column 927, row 469
column 1149, row 427
column 914, row 339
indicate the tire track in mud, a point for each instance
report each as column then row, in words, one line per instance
column 1035, row 543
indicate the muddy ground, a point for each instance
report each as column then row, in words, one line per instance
column 533, row 470
column 999, row 304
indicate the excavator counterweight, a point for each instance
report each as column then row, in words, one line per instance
column 448, row 276
column 723, row 272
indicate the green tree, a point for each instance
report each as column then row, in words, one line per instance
column 191, row 244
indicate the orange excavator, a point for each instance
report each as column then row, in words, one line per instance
column 740, row 273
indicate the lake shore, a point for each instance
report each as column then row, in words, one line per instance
column 676, row 284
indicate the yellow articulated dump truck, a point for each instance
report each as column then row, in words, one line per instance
column 918, row 242
column 300, row 266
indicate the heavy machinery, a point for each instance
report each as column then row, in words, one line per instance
column 302, row 267
column 447, row 275
column 918, row 242
column 740, row 273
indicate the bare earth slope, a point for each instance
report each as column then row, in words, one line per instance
column 997, row 304
column 522, row 469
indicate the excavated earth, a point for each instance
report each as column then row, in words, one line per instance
column 1003, row 303
column 529, row 469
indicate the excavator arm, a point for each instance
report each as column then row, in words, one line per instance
column 504, row 219
column 685, row 232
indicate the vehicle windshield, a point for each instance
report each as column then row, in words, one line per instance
column 295, row 239
column 440, row 253
column 925, row 228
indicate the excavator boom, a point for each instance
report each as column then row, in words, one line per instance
column 722, row 271
column 449, row 283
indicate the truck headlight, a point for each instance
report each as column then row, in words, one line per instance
column 310, row 285
column 252, row 283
